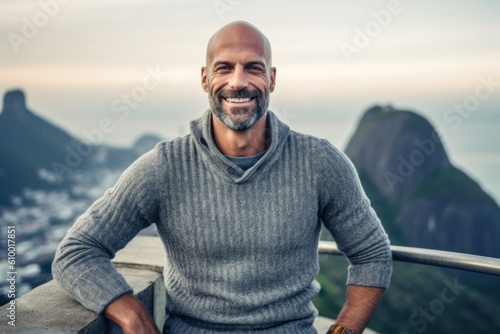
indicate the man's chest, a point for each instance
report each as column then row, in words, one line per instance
column 211, row 218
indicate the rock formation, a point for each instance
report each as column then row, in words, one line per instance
column 419, row 193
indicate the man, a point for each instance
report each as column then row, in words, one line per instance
column 238, row 204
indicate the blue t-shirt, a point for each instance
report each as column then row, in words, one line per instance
column 246, row 162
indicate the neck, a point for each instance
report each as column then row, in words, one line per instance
column 240, row 143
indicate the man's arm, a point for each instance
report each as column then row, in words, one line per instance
column 361, row 303
column 128, row 313
column 354, row 225
column 82, row 265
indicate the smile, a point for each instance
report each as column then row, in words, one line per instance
column 238, row 100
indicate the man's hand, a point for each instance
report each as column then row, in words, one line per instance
column 128, row 313
column 361, row 303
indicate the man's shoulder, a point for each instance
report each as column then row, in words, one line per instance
column 162, row 151
column 315, row 144
column 167, row 143
column 327, row 156
column 304, row 138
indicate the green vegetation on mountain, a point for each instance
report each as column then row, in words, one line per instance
column 452, row 185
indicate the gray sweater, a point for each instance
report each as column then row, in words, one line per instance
column 241, row 245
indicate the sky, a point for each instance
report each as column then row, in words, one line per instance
column 136, row 63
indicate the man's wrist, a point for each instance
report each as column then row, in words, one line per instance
column 337, row 329
column 128, row 313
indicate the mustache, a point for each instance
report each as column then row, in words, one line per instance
column 241, row 93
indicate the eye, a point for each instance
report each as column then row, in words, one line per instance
column 255, row 68
column 223, row 68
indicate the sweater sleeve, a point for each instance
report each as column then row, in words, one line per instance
column 346, row 212
column 82, row 264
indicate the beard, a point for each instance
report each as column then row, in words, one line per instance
column 239, row 119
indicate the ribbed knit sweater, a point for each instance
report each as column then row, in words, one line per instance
column 241, row 245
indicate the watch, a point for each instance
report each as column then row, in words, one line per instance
column 337, row 329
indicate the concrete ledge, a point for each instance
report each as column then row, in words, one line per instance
column 145, row 252
column 48, row 309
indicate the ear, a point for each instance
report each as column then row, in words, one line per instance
column 204, row 83
column 273, row 79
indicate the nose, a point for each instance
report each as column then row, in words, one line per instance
column 238, row 78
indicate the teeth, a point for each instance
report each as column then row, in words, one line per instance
column 237, row 100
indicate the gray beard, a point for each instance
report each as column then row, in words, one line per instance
column 241, row 124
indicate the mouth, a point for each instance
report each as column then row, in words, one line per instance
column 238, row 99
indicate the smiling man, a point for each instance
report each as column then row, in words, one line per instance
column 245, row 94
column 238, row 204
column 239, row 78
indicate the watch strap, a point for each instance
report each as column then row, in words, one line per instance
column 337, row 329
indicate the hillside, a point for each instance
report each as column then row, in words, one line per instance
column 36, row 154
column 423, row 201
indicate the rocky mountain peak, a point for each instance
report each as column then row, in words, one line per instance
column 28, row 145
column 14, row 106
column 395, row 149
column 420, row 195
column 36, row 154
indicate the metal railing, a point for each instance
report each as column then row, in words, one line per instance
column 468, row 262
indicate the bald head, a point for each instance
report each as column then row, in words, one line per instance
column 239, row 34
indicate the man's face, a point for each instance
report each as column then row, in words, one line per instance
column 238, row 79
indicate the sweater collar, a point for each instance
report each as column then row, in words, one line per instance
column 201, row 131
